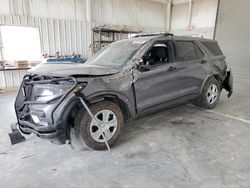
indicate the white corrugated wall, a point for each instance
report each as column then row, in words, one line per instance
column 141, row 13
column 57, row 9
column 203, row 18
column 233, row 34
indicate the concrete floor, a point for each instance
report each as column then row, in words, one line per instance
column 186, row 147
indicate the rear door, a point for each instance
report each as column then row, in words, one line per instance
column 191, row 62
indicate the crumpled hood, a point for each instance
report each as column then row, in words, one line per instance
column 71, row 69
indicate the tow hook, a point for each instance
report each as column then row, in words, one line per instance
column 15, row 137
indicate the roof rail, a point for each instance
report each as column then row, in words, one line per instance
column 153, row 34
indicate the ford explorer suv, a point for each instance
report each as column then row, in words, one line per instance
column 129, row 78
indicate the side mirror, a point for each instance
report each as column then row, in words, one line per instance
column 140, row 66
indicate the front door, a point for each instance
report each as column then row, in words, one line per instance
column 153, row 87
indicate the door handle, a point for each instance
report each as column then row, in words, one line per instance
column 171, row 68
column 203, row 61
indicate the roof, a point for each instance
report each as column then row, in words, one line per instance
column 147, row 37
column 192, row 38
column 164, row 35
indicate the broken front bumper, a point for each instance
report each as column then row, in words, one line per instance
column 228, row 83
column 51, row 131
column 50, row 114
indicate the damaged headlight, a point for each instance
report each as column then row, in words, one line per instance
column 46, row 92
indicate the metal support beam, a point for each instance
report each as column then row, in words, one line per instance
column 88, row 12
column 216, row 19
column 190, row 13
column 89, row 22
column 168, row 15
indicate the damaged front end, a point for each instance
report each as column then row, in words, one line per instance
column 43, row 103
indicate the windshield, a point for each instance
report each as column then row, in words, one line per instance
column 117, row 54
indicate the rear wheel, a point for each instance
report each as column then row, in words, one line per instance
column 210, row 94
column 110, row 120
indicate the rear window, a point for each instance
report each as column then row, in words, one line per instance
column 213, row 47
column 184, row 51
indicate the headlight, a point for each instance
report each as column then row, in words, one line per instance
column 45, row 92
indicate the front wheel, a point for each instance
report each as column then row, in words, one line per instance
column 210, row 94
column 110, row 119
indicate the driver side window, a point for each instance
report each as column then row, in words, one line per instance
column 157, row 55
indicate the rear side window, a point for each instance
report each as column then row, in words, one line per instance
column 213, row 47
column 185, row 51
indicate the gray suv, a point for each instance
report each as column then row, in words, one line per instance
column 89, row 103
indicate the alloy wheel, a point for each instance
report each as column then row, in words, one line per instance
column 107, row 122
column 212, row 94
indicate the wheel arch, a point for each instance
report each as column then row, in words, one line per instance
column 118, row 99
column 215, row 75
column 67, row 114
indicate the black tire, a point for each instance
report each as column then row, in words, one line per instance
column 83, row 123
column 204, row 101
